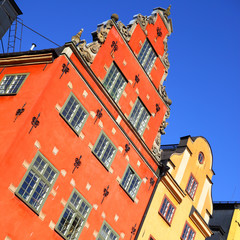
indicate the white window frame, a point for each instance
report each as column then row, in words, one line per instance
column 167, row 210
column 147, row 56
column 192, row 186
column 139, row 116
column 73, row 212
column 102, row 150
column 11, row 83
column 70, row 114
column 30, row 189
column 114, row 82
column 103, row 235
column 128, row 182
column 188, row 233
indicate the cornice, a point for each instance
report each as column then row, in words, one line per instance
column 9, row 61
column 173, row 187
column 201, row 224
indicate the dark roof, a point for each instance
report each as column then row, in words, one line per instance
column 169, row 149
column 56, row 52
column 226, row 205
column 221, row 220
column 15, row 7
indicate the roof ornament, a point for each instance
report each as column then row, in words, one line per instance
column 167, row 13
column 76, row 39
column 114, row 17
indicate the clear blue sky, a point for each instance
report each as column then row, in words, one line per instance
column 204, row 76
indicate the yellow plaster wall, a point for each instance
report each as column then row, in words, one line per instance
column 200, row 171
column 154, row 224
column 234, row 231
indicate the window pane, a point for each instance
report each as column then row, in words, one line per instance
column 101, row 145
column 10, row 84
column 104, row 150
column 37, row 182
column 139, row 117
column 107, row 233
column 130, row 182
column 39, row 194
column 28, row 185
column 147, row 56
column 73, row 217
column 65, row 220
column 127, row 178
column 75, row 200
column 164, row 207
column 74, row 228
column 74, row 113
column 191, row 186
column 114, row 82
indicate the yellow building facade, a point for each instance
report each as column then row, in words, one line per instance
column 181, row 204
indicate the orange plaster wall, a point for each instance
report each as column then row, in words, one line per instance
column 137, row 40
column 42, row 91
column 130, row 70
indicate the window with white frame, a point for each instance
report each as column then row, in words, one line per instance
column 131, row 182
column 74, row 113
column 10, row 84
column 74, row 216
column 104, row 150
column 167, row 210
column 114, row 82
column 107, row 233
column 139, row 116
column 191, row 186
column 188, row 233
column 37, row 182
column 147, row 56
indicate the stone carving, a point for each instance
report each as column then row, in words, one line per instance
column 88, row 52
column 162, row 127
column 124, row 31
column 103, row 32
column 152, row 19
column 167, row 13
column 76, row 39
column 165, row 60
column 94, row 47
column 163, row 93
column 142, row 20
column 165, row 44
column 167, row 114
column 156, row 146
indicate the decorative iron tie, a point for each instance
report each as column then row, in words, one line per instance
column 98, row 115
column 77, row 163
column 137, row 80
column 65, row 69
column 19, row 112
column 35, row 122
column 105, row 193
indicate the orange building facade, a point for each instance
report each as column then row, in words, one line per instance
column 80, row 131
